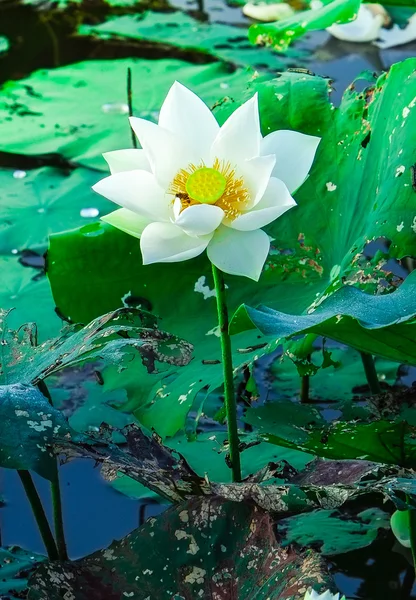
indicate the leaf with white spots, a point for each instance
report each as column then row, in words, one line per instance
column 29, row 426
column 106, row 339
column 234, row 554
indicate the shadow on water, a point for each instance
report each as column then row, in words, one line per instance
column 94, row 512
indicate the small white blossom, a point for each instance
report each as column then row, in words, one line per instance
column 196, row 186
column 312, row 595
column 372, row 24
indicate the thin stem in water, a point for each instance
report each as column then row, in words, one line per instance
column 130, row 104
column 39, row 514
column 407, row 585
column 56, row 494
column 58, row 517
column 370, row 373
column 305, row 386
column 227, row 365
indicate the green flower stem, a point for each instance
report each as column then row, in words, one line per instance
column 130, row 104
column 227, row 366
column 57, row 516
column 371, row 373
column 39, row 514
column 305, row 386
column 56, row 495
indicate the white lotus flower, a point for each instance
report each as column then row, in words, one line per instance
column 366, row 27
column 312, row 595
column 196, row 185
column 268, row 12
column 373, row 24
column 396, row 36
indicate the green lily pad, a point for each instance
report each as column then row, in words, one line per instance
column 43, row 113
column 332, row 531
column 16, row 566
column 33, row 205
column 84, row 402
column 223, row 42
column 363, row 195
column 109, row 339
column 37, row 203
column 174, row 391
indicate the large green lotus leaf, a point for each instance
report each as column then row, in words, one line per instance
column 221, row 41
column 80, row 111
column 45, row 201
column 29, row 425
column 292, row 100
column 16, row 565
column 382, row 325
column 281, row 33
column 359, row 190
column 334, row 532
column 304, row 428
column 222, row 550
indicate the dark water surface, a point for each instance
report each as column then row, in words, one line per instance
column 94, row 512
